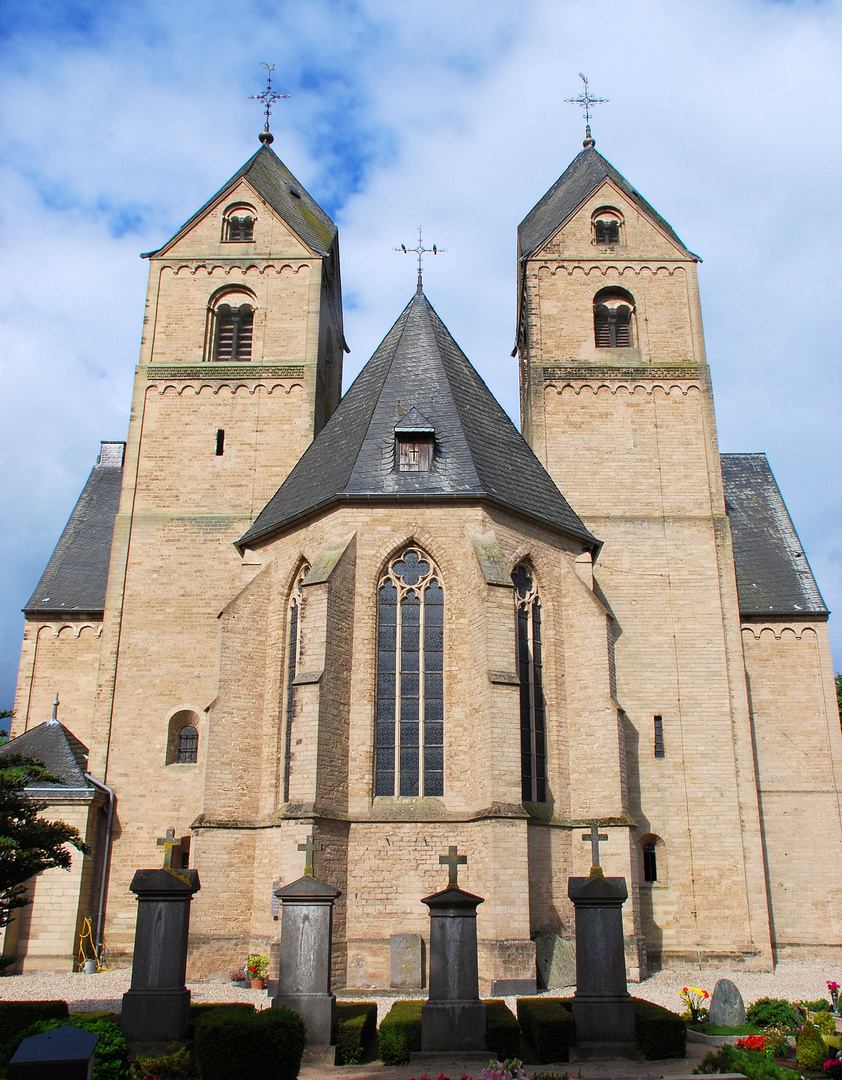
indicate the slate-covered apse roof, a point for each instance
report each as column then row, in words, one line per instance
column 63, row 754
column 579, row 180
column 478, row 452
column 77, row 573
column 273, row 181
column 773, row 575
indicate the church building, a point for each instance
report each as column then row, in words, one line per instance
column 392, row 622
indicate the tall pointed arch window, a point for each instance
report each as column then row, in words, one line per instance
column 293, row 655
column 533, row 753
column 409, row 740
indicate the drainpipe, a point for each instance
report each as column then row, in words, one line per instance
column 106, row 862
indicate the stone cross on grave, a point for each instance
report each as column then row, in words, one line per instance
column 453, row 861
column 168, row 842
column 593, row 838
column 311, row 846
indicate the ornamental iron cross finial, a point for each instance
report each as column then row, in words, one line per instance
column 268, row 97
column 310, row 846
column 420, row 250
column 585, row 101
column 452, row 860
column 168, row 842
column 593, row 838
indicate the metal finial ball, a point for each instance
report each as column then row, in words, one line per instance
column 266, row 137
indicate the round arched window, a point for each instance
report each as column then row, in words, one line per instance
column 613, row 319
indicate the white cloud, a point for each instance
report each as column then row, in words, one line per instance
column 120, row 120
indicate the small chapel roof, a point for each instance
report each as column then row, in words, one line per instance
column 273, row 181
column 62, row 753
column 773, row 574
column 77, row 573
column 419, row 380
column 579, row 180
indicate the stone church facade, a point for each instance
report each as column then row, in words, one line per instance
column 392, row 622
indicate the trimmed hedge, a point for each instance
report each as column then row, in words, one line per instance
column 16, row 1016
column 356, row 1024
column 502, row 1031
column 400, row 1032
column 548, row 1026
column 728, row 1059
column 659, row 1033
column 234, row 1044
column 205, row 1008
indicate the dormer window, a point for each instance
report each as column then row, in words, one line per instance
column 606, row 227
column 238, row 224
column 613, row 318
column 414, row 443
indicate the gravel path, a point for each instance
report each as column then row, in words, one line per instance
column 794, row 980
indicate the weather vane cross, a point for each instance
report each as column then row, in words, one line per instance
column 421, row 251
column 585, row 100
column 268, row 97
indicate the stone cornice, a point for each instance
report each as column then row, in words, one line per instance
column 245, row 370
column 589, row 372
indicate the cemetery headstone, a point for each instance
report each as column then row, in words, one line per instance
column 405, row 960
column 67, row 1053
column 156, row 1008
column 453, row 1017
column 602, row 1007
column 727, row 1008
column 555, row 959
column 304, row 968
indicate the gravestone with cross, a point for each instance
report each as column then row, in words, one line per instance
column 305, row 952
column 156, row 1008
column 602, row 1007
column 453, row 1017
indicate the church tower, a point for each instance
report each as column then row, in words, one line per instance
column 616, row 401
column 240, row 367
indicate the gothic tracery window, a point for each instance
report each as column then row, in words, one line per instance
column 533, row 754
column 409, row 741
column 293, row 655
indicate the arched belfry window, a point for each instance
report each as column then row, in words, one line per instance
column 238, row 224
column 409, row 739
column 230, row 329
column 607, row 227
column 613, row 319
column 533, row 753
column 293, row 655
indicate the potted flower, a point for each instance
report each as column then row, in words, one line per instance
column 239, row 976
column 257, row 968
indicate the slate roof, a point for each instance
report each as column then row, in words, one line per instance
column 773, row 574
column 62, row 753
column 479, row 454
column 579, row 180
column 273, row 181
column 77, row 573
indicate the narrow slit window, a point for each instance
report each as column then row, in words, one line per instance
column 659, row 737
column 533, row 754
column 220, row 442
column 650, row 863
column 292, row 658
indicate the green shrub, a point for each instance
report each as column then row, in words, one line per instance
column 234, row 1044
column 198, row 1011
column 810, row 1050
column 728, row 1059
column 502, row 1031
column 772, row 1012
column 825, row 1022
column 356, row 1024
column 548, row 1027
column 16, row 1016
column 659, row 1033
column 400, row 1032
column 177, row 1066
column 819, row 1005
column 111, row 1056
column 75, row 1018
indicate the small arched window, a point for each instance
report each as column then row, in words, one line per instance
column 293, row 656
column 230, row 328
column 613, row 319
column 652, row 851
column 409, row 737
column 238, row 224
column 183, row 738
column 607, row 227
column 533, row 752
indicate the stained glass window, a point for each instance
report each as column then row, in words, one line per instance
column 533, row 753
column 409, row 738
column 292, row 657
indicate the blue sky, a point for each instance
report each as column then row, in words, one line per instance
column 118, row 120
